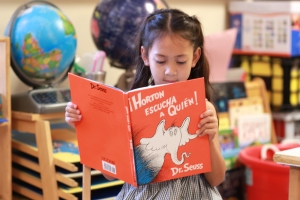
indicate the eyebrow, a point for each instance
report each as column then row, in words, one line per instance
column 182, row 55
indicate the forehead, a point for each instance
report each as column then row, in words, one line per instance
column 171, row 43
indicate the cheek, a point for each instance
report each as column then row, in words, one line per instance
column 184, row 74
column 155, row 68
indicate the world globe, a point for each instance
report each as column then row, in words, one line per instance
column 43, row 44
column 114, row 23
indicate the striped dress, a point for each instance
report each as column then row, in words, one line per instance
column 190, row 188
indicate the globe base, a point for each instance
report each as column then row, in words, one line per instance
column 41, row 101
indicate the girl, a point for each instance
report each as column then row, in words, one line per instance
column 170, row 49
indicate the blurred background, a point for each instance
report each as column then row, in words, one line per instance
column 212, row 14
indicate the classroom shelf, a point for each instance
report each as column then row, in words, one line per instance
column 5, row 127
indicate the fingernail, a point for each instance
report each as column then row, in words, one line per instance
column 79, row 116
column 201, row 115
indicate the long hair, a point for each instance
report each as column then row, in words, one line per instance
column 161, row 23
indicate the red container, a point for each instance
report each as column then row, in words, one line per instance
column 265, row 179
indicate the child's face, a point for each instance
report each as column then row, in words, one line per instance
column 170, row 59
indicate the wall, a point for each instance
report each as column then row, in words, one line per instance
column 212, row 14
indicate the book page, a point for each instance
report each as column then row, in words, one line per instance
column 104, row 139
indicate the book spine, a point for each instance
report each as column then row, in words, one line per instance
column 126, row 103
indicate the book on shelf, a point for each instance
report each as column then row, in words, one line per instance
column 144, row 135
column 252, row 125
column 254, row 129
column 2, row 119
column 223, row 92
column 244, row 106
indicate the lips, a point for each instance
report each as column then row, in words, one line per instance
column 170, row 81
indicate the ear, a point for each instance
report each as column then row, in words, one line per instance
column 196, row 56
column 144, row 56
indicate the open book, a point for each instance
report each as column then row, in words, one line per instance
column 142, row 136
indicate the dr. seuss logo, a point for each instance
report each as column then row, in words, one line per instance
column 186, row 168
column 97, row 87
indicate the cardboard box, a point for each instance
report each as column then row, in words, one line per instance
column 266, row 27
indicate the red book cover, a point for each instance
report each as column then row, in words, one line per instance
column 141, row 136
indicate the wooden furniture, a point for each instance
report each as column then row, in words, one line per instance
column 291, row 157
column 39, row 125
column 50, row 180
column 86, row 182
column 5, row 128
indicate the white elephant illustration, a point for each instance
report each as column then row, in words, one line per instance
column 150, row 154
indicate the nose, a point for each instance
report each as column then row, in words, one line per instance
column 171, row 70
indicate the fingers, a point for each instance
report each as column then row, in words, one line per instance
column 208, row 124
column 210, row 132
column 72, row 114
column 70, row 121
column 208, row 117
column 207, row 113
column 208, row 128
column 70, row 104
column 72, row 108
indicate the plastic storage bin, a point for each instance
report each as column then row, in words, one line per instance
column 265, row 179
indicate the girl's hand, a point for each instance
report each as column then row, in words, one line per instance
column 72, row 114
column 208, row 124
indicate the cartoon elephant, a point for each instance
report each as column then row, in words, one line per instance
column 150, row 154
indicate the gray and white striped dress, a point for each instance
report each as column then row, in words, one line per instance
column 188, row 188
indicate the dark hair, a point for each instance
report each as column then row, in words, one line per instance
column 163, row 22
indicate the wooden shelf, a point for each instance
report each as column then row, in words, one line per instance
column 5, row 128
column 4, row 124
column 291, row 157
